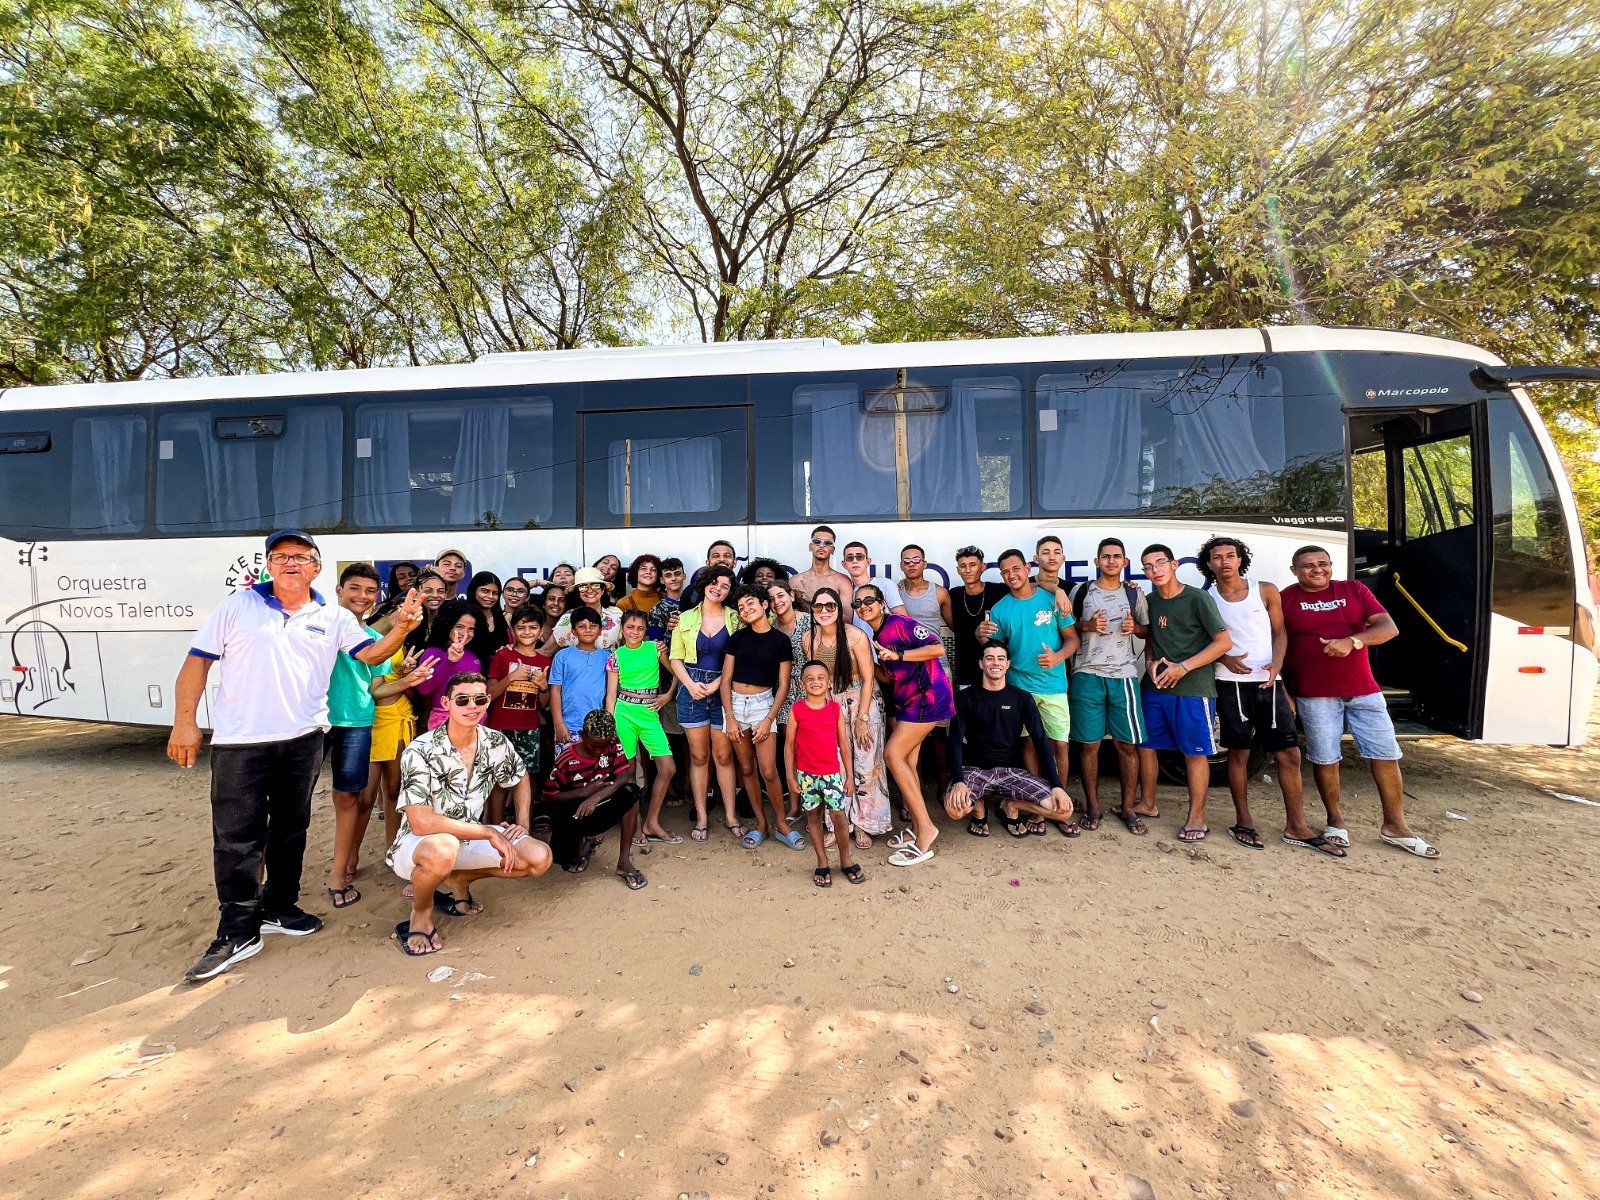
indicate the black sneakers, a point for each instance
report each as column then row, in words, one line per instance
column 224, row 952
column 292, row 922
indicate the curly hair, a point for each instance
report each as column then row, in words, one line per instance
column 1211, row 544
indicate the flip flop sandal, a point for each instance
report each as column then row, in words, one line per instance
column 456, row 906
column 1193, row 836
column 1322, row 845
column 341, row 897
column 897, row 841
column 855, row 874
column 1336, row 835
column 1134, row 822
column 585, row 853
column 1067, row 828
column 863, row 840
column 671, row 839
column 1246, row 835
column 1017, row 828
column 822, row 877
column 1036, row 828
column 1090, row 823
column 403, row 932
column 634, row 879
column 978, row 826
column 737, row 831
column 1412, row 845
column 910, row 856
column 699, row 833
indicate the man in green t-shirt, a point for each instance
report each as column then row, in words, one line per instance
column 1179, row 695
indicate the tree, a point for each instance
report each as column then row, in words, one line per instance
column 771, row 136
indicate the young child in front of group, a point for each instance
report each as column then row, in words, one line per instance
column 818, row 756
column 634, row 697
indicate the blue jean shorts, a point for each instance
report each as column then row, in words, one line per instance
column 350, row 748
column 697, row 714
column 1325, row 717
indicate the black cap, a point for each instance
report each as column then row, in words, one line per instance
column 284, row 535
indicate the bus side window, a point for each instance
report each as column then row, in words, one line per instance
column 108, row 474
column 249, row 475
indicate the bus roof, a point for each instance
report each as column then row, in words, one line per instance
column 601, row 364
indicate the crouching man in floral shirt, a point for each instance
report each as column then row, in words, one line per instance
column 444, row 846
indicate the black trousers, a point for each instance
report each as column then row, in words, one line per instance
column 567, row 831
column 260, row 808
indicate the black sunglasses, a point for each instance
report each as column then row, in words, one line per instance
column 866, row 600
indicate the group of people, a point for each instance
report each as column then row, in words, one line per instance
column 507, row 725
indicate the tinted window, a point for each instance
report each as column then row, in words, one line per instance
column 946, row 444
column 77, row 475
column 1533, row 567
column 682, row 466
column 481, row 462
column 1224, row 435
column 272, row 466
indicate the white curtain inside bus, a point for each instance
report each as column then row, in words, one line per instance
column 663, row 476
column 383, row 467
column 850, row 467
column 478, row 482
column 108, row 457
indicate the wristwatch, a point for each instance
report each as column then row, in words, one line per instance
column 1358, row 643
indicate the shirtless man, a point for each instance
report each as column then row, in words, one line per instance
column 822, row 572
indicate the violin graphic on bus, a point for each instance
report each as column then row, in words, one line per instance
column 41, row 659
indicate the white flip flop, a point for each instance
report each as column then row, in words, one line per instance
column 1339, row 837
column 910, row 856
column 906, row 837
column 1412, row 845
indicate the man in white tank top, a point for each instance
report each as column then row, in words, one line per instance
column 1252, row 703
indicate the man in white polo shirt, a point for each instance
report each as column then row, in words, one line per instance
column 277, row 643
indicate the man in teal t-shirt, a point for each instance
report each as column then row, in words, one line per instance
column 1040, row 638
column 350, row 712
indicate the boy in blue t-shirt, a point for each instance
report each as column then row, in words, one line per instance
column 577, row 678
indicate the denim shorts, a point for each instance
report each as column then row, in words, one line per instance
column 752, row 708
column 697, row 714
column 1325, row 717
column 350, row 748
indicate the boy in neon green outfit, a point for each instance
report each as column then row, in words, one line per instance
column 634, row 696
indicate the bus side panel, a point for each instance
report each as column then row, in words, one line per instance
column 1530, row 676
column 140, row 671
column 51, row 673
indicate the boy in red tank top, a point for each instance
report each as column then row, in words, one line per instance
column 818, row 756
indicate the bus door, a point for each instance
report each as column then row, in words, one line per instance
column 1421, row 544
column 666, row 481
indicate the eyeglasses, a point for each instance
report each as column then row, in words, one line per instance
column 825, row 607
column 1158, row 562
column 821, row 542
column 474, row 701
column 911, row 562
column 298, row 560
column 855, row 558
column 866, row 600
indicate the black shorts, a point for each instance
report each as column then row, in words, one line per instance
column 1253, row 717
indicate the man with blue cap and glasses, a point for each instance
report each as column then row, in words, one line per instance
column 276, row 644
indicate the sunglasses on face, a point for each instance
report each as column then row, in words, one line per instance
column 911, row 562
column 865, row 601
column 475, row 701
column 855, row 558
column 591, row 587
column 825, row 607
column 821, row 542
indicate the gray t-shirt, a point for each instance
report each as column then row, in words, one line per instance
column 1113, row 655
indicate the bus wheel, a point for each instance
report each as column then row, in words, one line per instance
column 1175, row 773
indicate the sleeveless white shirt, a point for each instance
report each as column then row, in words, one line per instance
column 1250, row 627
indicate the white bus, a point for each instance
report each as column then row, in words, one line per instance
column 1419, row 463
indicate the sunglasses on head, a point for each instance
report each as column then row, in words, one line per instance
column 477, row 701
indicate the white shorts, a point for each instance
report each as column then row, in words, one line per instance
column 476, row 855
column 752, row 708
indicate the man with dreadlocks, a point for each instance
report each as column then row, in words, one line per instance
column 588, row 793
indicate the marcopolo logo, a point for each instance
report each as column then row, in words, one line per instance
column 1398, row 393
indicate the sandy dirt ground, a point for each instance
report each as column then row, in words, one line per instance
column 1109, row 1016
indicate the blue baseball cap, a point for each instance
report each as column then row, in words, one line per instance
column 284, row 535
